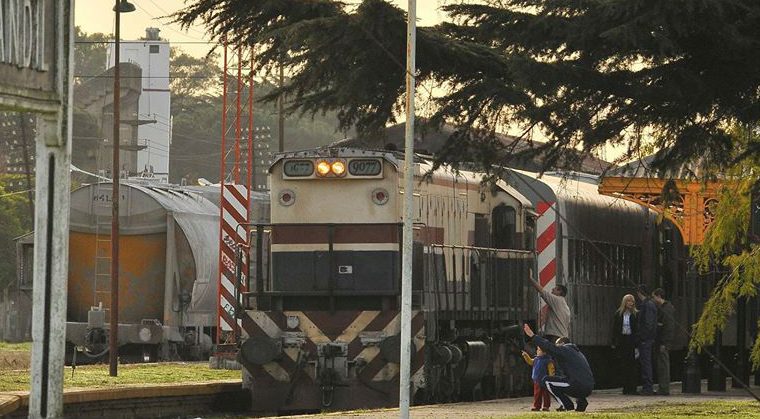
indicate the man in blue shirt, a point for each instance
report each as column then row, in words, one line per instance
column 577, row 381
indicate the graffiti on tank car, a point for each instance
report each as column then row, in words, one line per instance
column 106, row 197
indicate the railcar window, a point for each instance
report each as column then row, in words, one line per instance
column 503, row 219
column 599, row 263
column 604, row 266
column 615, row 265
column 597, row 259
column 571, row 262
column 623, row 266
column 583, row 271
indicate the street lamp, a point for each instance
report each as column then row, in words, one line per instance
column 121, row 6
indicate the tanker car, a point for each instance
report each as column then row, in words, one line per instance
column 169, row 244
column 320, row 324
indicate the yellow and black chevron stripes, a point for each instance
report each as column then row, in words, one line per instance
column 318, row 328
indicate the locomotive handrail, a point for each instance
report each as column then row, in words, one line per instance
column 452, row 281
column 494, row 249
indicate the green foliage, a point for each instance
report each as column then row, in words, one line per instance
column 193, row 76
column 90, row 53
column 726, row 244
column 587, row 73
column 15, row 347
column 196, row 110
column 15, row 220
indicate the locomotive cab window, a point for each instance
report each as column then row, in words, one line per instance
column 530, row 233
column 504, row 227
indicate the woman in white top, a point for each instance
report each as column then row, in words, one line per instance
column 624, row 342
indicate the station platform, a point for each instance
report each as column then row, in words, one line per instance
column 135, row 401
column 600, row 400
column 214, row 398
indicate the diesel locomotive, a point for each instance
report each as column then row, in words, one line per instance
column 320, row 311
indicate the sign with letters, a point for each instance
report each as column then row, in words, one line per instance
column 30, row 51
column 36, row 41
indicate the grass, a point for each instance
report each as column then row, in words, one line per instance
column 15, row 356
column 710, row 409
column 14, row 372
column 23, row 346
column 96, row 376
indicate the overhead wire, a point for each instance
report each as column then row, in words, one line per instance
column 16, row 193
column 165, row 25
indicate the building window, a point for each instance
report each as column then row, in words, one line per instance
column 154, row 49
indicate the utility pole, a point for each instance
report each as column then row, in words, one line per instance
column 280, row 113
column 113, row 337
column 406, row 262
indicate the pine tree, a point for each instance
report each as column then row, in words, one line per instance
column 586, row 72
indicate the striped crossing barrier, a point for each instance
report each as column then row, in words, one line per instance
column 546, row 227
column 234, row 213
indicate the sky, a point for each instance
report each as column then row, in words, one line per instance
column 97, row 16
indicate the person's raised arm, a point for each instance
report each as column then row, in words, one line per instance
column 535, row 284
column 528, row 330
column 547, row 346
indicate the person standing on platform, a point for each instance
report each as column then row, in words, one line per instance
column 647, row 332
column 542, row 366
column 663, row 343
column 557, row 321
column 624, row 328
column 576, row 379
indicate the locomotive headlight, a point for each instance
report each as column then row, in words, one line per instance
column 338, row 168
column 145, row 334
column 380, row 196
column 287, row 198
column 323, row 168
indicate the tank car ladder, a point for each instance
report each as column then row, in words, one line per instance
column 101, row 292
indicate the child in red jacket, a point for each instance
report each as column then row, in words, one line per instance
column 542, row 366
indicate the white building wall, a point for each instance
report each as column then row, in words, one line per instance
column 154, row 105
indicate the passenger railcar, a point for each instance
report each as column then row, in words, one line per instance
column 601, row 248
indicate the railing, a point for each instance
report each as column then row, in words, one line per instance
column 450, row 278
column 466, row 278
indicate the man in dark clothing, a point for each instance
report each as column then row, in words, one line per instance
column 647, row 328
column 664, row 341
column 577, row 381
